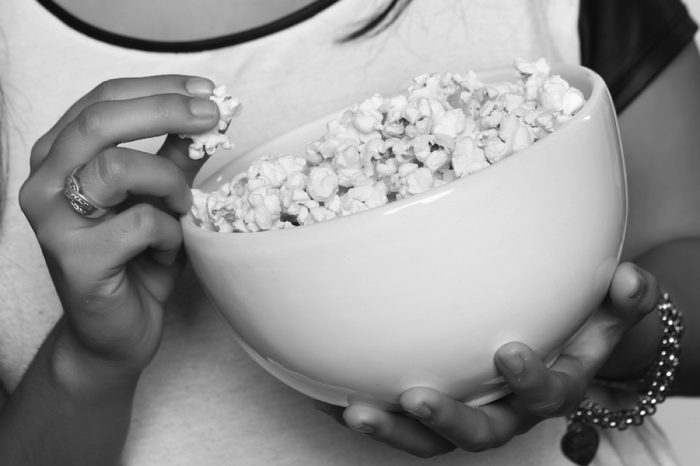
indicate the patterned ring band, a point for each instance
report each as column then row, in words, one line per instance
column 80, row 203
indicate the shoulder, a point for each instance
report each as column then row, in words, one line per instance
column 629, row 43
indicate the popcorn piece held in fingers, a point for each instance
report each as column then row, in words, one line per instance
column 207, row 143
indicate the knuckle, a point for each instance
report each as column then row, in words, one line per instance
column 90, row 121
column 39, row 150
column 32, row 199
column 111, row 167
column 27, row 198
column 167, row 106
column 106, row 90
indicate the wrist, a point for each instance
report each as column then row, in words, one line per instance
column 69, row 408
column 84, row 373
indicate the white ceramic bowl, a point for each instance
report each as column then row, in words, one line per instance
column 421, row 292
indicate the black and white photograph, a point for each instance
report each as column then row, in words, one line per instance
column 349, row 233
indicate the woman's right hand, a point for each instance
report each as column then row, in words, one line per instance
column 433, row 423
column 114, row 273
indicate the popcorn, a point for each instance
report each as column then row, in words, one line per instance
column 212, row 140
column 445, row 127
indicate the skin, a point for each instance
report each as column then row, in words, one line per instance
column 73, row 404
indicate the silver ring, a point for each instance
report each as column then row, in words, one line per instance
column 81, row 203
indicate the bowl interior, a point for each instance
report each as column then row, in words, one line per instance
column 223, row 166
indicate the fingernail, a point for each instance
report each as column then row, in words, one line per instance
column 513, row 363
column 201, row 108
column 199, row 86
column 639, row 289
column 363, row 428
column 421, row 411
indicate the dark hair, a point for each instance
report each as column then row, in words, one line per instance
column 380, row 21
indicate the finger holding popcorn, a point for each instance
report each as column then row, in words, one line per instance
column 100, row 127
column 123, row 89
column 210, row 141
column 176, row 149
column 108, row 123
column 188, row 151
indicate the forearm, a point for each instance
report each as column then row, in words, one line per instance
column 677, row 268
column 68, row 409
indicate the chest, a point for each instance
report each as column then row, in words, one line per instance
column 296, row 74
column 178, row 20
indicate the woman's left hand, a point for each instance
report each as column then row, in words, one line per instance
column 434, row 424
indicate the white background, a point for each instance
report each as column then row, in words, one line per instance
column 680, row 417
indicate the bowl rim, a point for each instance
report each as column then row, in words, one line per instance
column 598, row 90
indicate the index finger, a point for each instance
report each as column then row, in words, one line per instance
column 108, row 123
column 121, row 89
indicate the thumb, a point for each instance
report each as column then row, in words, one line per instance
column 634, row 293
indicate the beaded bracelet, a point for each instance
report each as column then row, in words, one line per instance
column 581, row 440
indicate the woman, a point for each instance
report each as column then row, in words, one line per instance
column 201, row 400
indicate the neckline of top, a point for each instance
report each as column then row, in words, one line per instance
column 200, row 45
